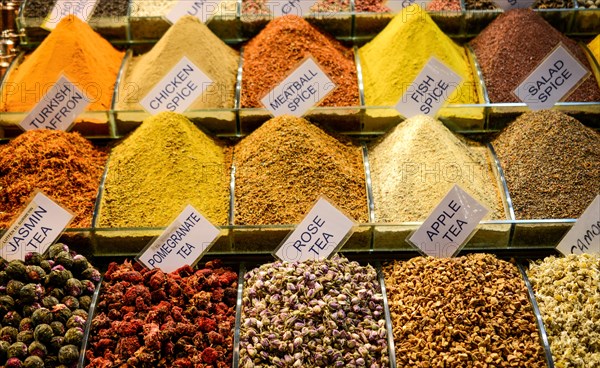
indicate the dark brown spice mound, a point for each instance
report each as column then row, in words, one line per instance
column 283, row 167
column 65, row 166
column 551, row 163
column 278, row 49
column 513, row 45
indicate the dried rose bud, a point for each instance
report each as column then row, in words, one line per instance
column 91, row 274
column 65, row 259
column 58, row 328
column 38, row 349
column 76, row 321
column 35, row 274
column 9, row 333
column 12, row 318
column 30, row 293
column 80, row 263
column 55, row 249
column 43, row 333
column 71, row 302
column 49, row 301
column 26, row 324
column 59, row 278
column 81, row 313
column 33, row 362
column 68, row 354
column 73, row 287
column 33, row 258
column 61, row 312
column 41, row 315
column 88, row 287
column 17, row 350
column 14, row 363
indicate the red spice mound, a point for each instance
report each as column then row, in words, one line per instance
column 146, row 318
column 278, row 49
column 65, row 166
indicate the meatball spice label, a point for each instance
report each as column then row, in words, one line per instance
column 82, row 9
column 58, row 108
column 507, row 5
column 450, row 224
column 320, row 234
column 182, row 243
column 202, row 10
column 429, row 91
column 552, row 80
column 178, row 89
column 304, row 88
column 36, row 228
column 584, row 237
column 290, row 7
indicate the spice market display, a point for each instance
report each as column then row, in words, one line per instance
column 507, row 298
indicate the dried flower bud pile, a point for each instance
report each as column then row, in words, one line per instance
column 151, row 319
column 568, row 293
column 313, row 314
column 44, row 305
column 470, row 311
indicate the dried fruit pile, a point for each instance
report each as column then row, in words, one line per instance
column 43, row 308
column 151, row 319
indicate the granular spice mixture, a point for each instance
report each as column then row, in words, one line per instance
column 146, row 318
column 441, row 5
column 313, row 314
column 553, row 4
column 65, row 166
column 166, row 164
column 104, row 8
column 590, row 4
column 594, row 47
column 480, row 5
column 278, row 49
column 360, row 6
column 551, row 163
column 470, row 311
column 507, row 54
column 567, row 291
column 283, row 167
column 410, row 174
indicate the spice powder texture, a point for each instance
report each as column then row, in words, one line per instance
column 278, row 49
column 164, row 165
column 72, row 49
column 594, row 47
column 419, row 161
column 470, row 311
column 567, row 291
column 283, row 167
column 65, row 166
column 313, row 314
column 513, row 45
column 551, row 163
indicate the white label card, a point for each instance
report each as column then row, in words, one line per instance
column 58, row 108
column 552, row 80
column 584, row 236
column 82, row 9
column 36, row 228
column 320, row 234
column 203, row 10
column 178, row 89
column 507, row 5
column 304, row 88
column 280, row 8
column 182, row 243
column 430, row 90
column 450, row 224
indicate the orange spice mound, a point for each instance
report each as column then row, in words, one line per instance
column 75, row 50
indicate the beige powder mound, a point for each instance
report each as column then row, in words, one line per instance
column 415, row 165
column 191, row 38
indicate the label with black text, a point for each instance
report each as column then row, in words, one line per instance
column 203, row 10
column 450, row 225
column 584, row 236
column 36, row 228
column 82, row 9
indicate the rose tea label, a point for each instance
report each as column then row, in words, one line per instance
column 301, row 90
column 450, row 224
column 203, row 10
column 178, row 89
column 58, row 108
column 182, row 243
column 320, row 234
column 36, row 228
column 82, row 9
column 280, row 8
column 429, row 91
column 552, row 80
column 584, row 237
column 507, row 5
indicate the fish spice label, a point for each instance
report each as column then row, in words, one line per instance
column 584, row 237
column 82, row 9
column 38, row 226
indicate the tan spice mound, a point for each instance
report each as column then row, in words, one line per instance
column 283, row 167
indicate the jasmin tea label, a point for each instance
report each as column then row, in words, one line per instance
column 552, row 80
column 584, row 236
column 203, row 10
column 58, row 108
column 184, row 242
column 320, row 234
column 450, row 225
column 304, row 88
column 36, row 228
column 507, row 5
column 430, row 90
column 178, row 89
column 82, row 9
column 280, row 8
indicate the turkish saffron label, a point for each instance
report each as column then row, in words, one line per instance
column 552, row 80
column 304, row 88
column 178, row 89
column 58, row 108
column 184, row 242
column 203, row 10
column 82, row 9
column 450, row 225
column 430, row 90
column 584, row 236
column 320, row 234
column 507, row 5
column 36, row 228
column 280, row 8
